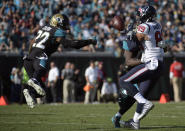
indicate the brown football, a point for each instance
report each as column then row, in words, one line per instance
column 118, row 23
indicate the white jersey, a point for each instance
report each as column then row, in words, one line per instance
column 151, row 50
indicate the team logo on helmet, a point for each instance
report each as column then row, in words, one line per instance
column 60, row 20
column 146, row 13
column 140, row 11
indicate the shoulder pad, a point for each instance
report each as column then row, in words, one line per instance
column 130, row 45
column 143, row 28
column 125, row 45
column 60, row 33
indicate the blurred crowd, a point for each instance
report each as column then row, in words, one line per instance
column 20, row 20
column 68, row 84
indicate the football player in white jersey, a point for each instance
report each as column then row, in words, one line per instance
column 148, row 36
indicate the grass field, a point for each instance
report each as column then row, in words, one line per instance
column 92, row 117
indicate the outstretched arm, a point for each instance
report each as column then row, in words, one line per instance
column 129, row 61
column 77, row 44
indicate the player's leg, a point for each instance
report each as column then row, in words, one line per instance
column 137, row 75
column 146, row 86
column 27, row 91
column 125, row 102
column 39, row 66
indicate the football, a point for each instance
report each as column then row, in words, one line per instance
column 117, row 23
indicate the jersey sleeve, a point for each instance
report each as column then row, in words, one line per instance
column 130, row 45
column 59, row 33
column 125, row 45
column 143, row 28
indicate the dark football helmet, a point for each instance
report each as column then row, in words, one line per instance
column 146, row 13
column 60, row 21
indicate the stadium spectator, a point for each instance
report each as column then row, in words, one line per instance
column 121, row 71
column 15, row 78
column 176, row 79
column 109, row 91
column 67, row 75
column 20, row 19
column 179, row 47
column 101, row 78
column 91, row 76
column 110, row 44
column 24, row 80
column 53, row 76
column 78, row 81
column 92, row 16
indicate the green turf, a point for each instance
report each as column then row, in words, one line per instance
column 92, row 117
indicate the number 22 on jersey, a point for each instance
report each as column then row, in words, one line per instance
column 41, row 38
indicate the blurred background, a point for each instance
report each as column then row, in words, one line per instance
column 89, row 19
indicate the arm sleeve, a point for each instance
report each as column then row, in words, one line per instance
column 59, row 33
column 125, row 45
column 77, row 44
column 130, row 45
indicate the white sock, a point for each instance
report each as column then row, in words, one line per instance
column 135, row 118
column 139, row 98
column 118, row 114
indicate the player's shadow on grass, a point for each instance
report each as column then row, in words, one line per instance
column 162, row 127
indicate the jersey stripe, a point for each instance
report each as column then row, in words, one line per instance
column 136, row 74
